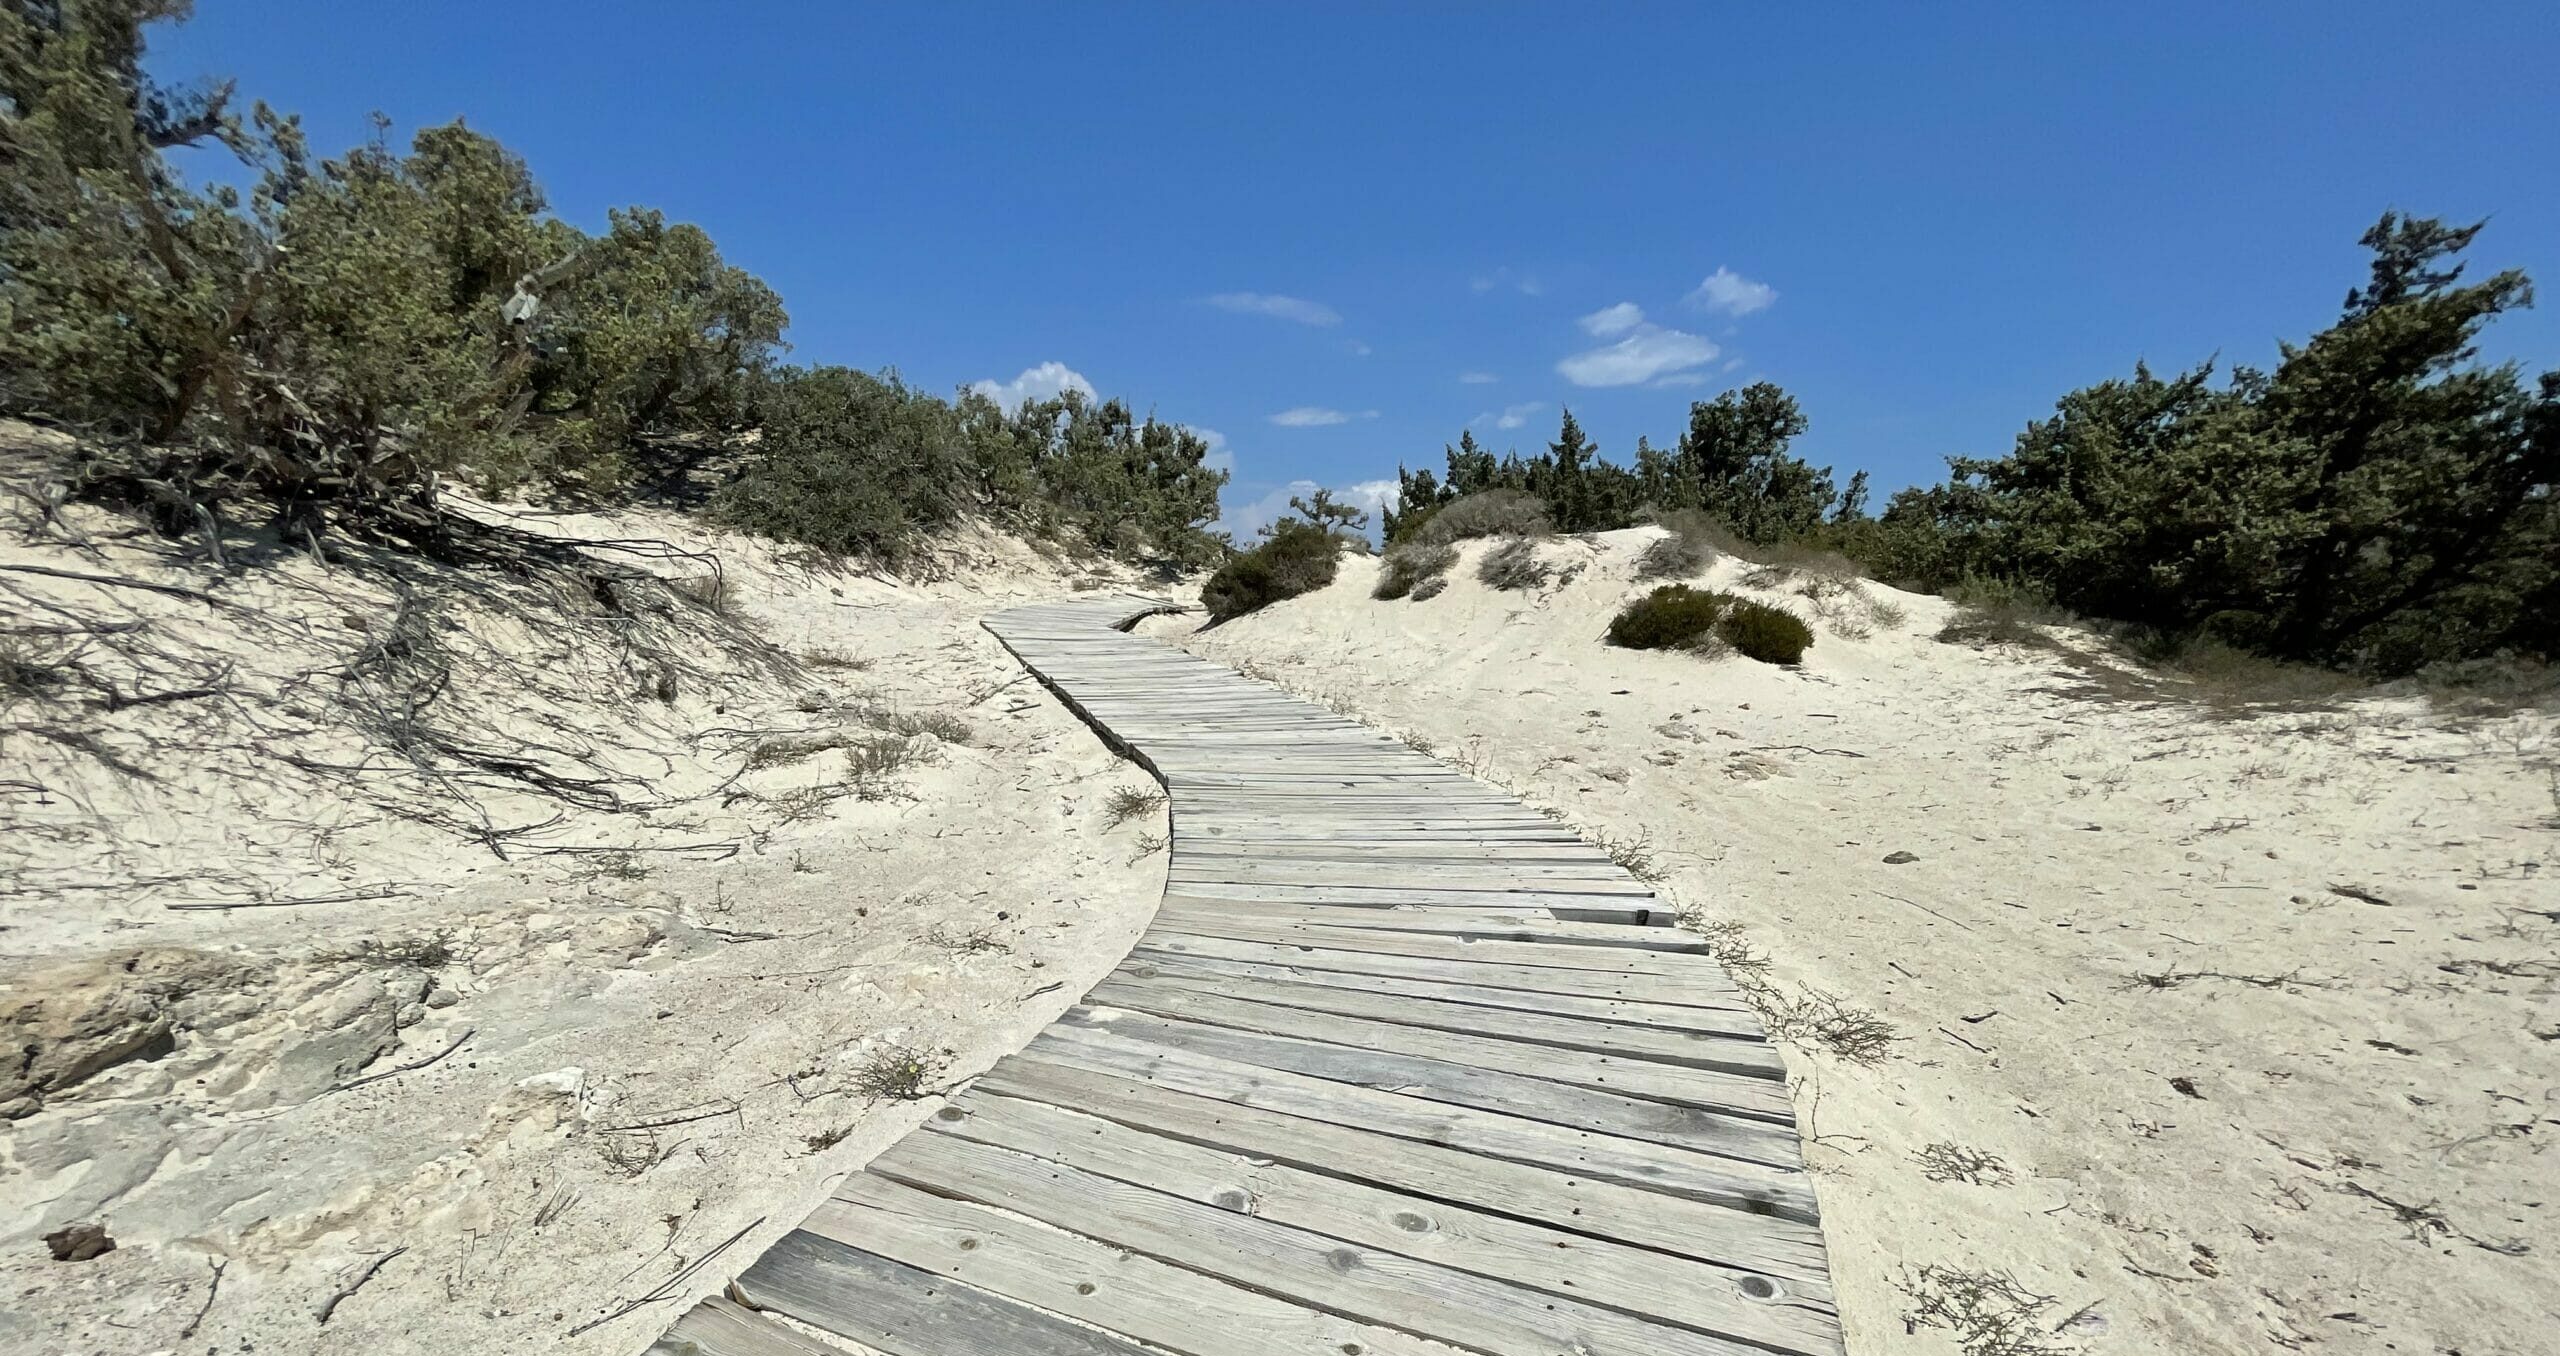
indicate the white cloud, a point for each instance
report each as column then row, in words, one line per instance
column 1649, row 353
column 1357, row 348
column 1044, row 382
column 1477, row 378
column 1373, row 495
column 1609, row 320
column 1509, row 277
column 1278, row 307
column 1730, row 292
column 1317, row 416
column 1732, row 363
column 1509, row 416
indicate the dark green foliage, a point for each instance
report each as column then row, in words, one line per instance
column 1771, row 635
column 2377, row 501
column 1298, row 557
column 1347, row 521
column 1411, row 564
column 332, row 342
column 1676, row 616
column 1673, row 616
column 1732, row 464
column 848, row 463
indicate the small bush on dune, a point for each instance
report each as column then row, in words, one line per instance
column 1990, row 612
column 1299, row 557
column 1431, row 588
column 1676, row 616
column 1513, row 565
column 1489, row 513
column 1771, row 635
column 1671, row 617
column 1410, row 565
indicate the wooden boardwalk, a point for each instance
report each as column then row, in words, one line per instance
column 1401, row 1066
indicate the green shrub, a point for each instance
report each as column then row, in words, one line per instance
column 1299, row 557
column 1671, row 617
column 1771, row 635
column 1513, row 565
column 1678, row 617
column 1490, row 513
column 1410, row 565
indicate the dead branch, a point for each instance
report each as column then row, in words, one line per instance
column 330, row 1305
column 409, row 1067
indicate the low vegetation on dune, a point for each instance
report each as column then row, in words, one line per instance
column 1297, row 557
column 1406, row 568
column 2377, row 502
column 1678, row 617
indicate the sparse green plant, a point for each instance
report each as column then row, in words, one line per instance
column 1512, row 565
column 784, row 750
column 834, row 659
column 1410, row 565
column 1634, row 856
column 1149, row 844
column 895, row 1071
column 1132, row 802
column 948, row 728
column 1430, row 588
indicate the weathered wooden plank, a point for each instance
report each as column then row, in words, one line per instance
column 1677, row 1225
column 1741, row 1076
column 1789, row 1314
column 1061, row 1270
column 1750, row 1187
column 905, row 1311
column 1369, row 1284
column 722, row 1327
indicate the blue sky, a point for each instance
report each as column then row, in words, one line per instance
column 1337, row 234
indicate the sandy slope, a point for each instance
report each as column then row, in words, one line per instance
column 664, row 1045
column 2322, row 1122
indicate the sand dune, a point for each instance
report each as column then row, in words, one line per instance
column 635, row 1035
column 2215, row 1031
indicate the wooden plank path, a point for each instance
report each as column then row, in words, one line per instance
column 1402, row 1066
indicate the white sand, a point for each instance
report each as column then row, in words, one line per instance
column 733, row 993
column 2342, row 1054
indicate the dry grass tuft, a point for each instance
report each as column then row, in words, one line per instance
column 1989, row 1312
column 1513, row 565
column 1132, row 802
column 1946, row 1161
column 897, row 1071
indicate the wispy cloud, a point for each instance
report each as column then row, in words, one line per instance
column 1609, row 320
column 1477, row 378
column 1648, row 353
column 1297, row 309
column 1044, row 382
column 1509, row 416
column 1733, row 294
column 1317, row 416
column 1357, row 349
column 1509, row 278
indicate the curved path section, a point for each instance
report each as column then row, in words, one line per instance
column 1401, row 1067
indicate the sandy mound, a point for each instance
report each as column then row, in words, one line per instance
column 2211, row 1031
column 599, row 911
